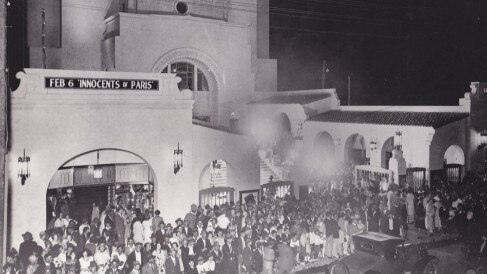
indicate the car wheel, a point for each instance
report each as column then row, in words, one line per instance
column 338, row 267
column 430, row 267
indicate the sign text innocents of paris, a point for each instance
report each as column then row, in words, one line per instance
column 96, row 83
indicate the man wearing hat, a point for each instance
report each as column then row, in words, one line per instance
column 150, row 267
column 191, row 216
column 26, row 249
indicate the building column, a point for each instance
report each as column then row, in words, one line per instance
column 3, row 121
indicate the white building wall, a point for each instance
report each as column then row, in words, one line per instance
column 54, row 126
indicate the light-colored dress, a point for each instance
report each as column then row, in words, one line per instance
column 160, row 260
column 84, row 265
column 147, row 226
column 430, row 216
column 437, row 215
column 138, row 232
column 410, row 206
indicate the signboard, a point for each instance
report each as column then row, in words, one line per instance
column 105, row 175
column 137, row 173
column 61, row 179
column 100, row 84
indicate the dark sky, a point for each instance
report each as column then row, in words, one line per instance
column 397, row 51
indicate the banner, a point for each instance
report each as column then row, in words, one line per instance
column 100, row 84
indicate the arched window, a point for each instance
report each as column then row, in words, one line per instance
column 191, row 76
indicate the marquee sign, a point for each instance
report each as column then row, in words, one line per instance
column 100, row 84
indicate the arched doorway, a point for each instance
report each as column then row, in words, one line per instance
column 84, row 186
column 324, row 150
column 454, row 161
column 215, row 188
column 356, row 150
column 283, row 136
column 386, row 152
column 454, row 155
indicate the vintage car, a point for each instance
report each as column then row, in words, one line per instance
column 381, row 253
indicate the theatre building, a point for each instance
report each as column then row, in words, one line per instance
column 158, row 104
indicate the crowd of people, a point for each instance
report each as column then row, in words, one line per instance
column 268, row 236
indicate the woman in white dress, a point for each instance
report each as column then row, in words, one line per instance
column 138, row 230
column 161, row 256
column 147, row 225
column 437, row 213
column 429, row 220
column 84, row 262
column 410, row 205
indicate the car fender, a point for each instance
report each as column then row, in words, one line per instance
column 421, row 264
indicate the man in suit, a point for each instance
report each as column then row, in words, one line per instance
column 217, row 257
column 172, row 263
column 160, row 233
column 247, row 253
column 257, row 258
column 373, row 218
column 136, row 255
column 114, row 268
column 150, row 267
column 203, row 245
column 186, row 229
column 230, row 252
column 285, row 261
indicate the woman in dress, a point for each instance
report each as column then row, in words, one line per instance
column 147, row 225
column 410, row 205
column 84, row 262
column 138, row 230
column 430, row 216
column 161, row 256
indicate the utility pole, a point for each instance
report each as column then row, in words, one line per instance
column 3, row 129
column 349, row 79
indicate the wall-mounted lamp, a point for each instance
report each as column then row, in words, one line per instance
column 338, row 141
column 178, row 159
column 373, row 145
column 482, row 140
column 398, row 140
column 298, row 138
column 24, row 172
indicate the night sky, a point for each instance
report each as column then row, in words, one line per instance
column 399, row 52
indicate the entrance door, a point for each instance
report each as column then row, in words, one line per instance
column 84, row 197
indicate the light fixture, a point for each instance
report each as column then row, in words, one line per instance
column 298, row 138
column 373, row 145
column 338, row 141
column 24, row 172
column 482, row 139
column 97, row 171
column 398, row 140
column 178, row 159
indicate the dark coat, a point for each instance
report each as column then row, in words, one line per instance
column 198, row 248
column 257, row 261
column 172, row 268
column 229, row 260
column 374, row 219
column 26, row 249
column 247, row 258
